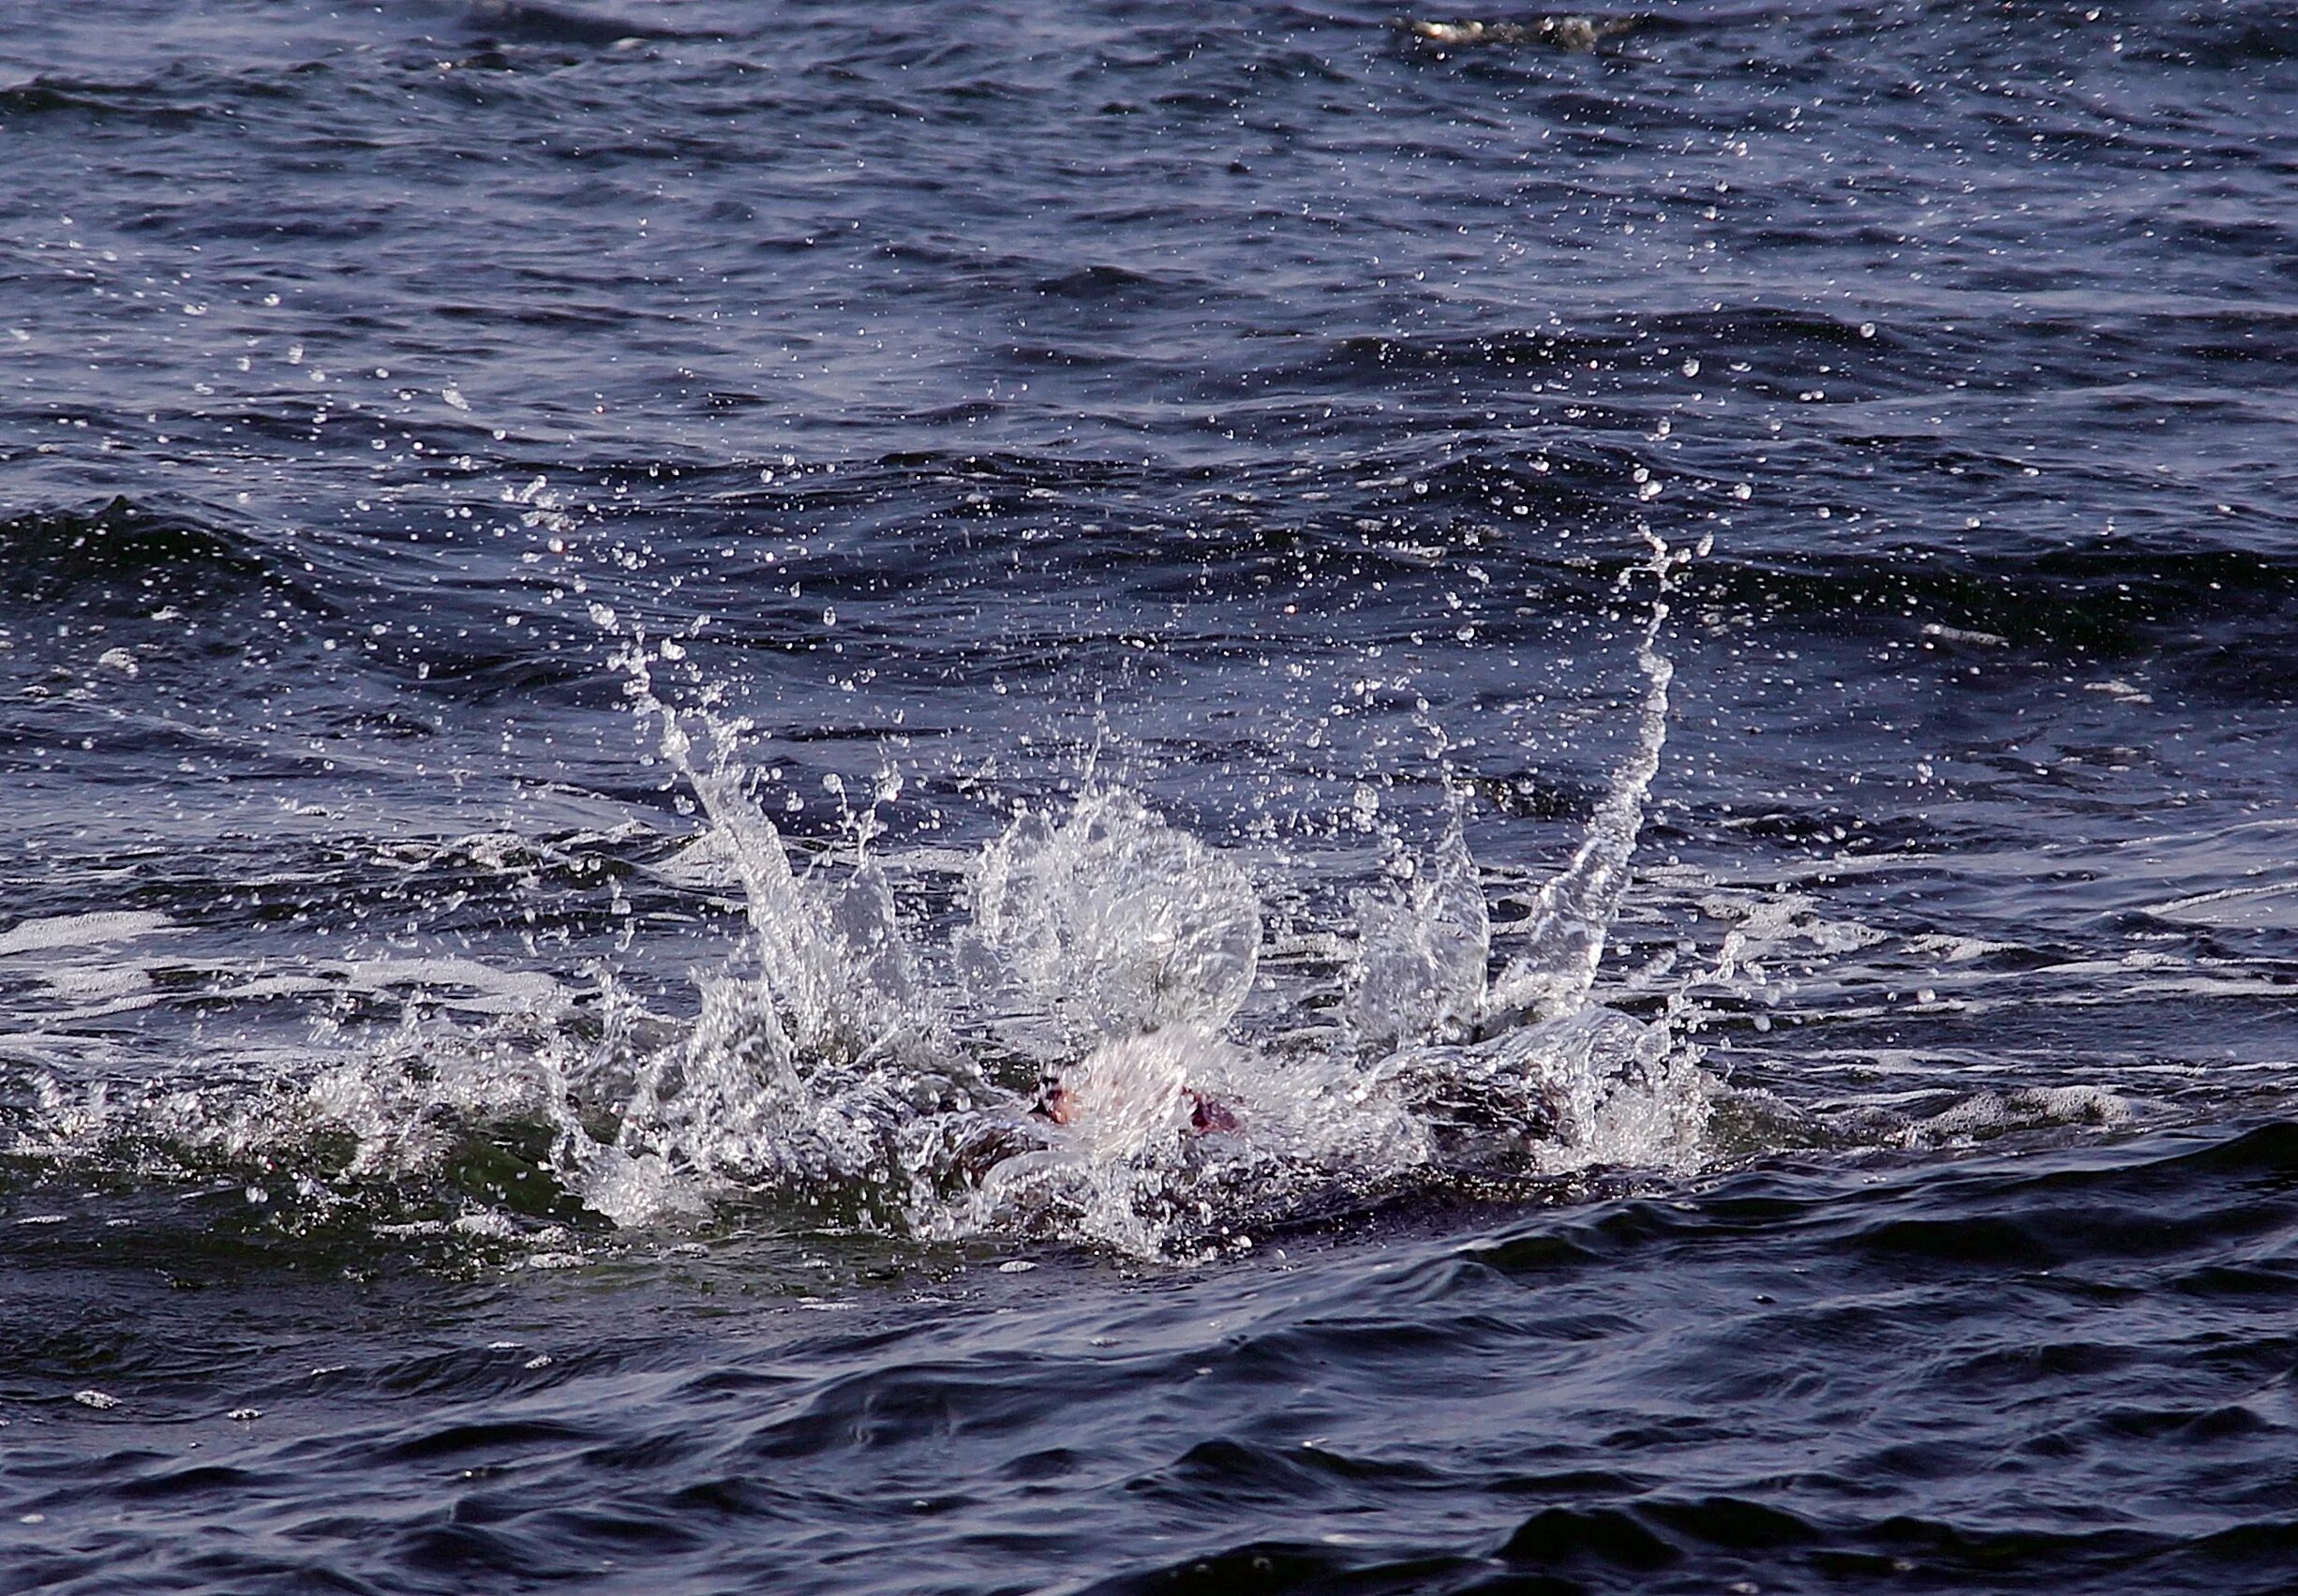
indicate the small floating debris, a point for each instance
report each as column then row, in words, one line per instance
column 1561, row 32
column 97, row 1399
column 244, row 1415
column 1016, row 1266
column 1963, row 634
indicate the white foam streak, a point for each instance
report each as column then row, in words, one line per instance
column 82, row 931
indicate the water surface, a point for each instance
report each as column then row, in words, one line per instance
column 1611, row 709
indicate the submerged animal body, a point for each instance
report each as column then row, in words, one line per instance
column 1171, row 1141
column 1166, row 1086
column 1134, row 1088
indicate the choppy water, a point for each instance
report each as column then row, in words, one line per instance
column 1024, row 798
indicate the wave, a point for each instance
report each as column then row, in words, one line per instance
column 126, row 554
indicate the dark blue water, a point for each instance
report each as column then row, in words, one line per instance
column 1148, row 797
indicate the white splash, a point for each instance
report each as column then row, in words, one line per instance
column 1075, row 1058
column 1111, row 953
column 1562, row 939
column 1106, row 923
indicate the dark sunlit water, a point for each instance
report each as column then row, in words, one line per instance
column 1230, row 797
